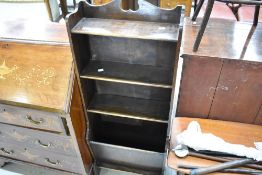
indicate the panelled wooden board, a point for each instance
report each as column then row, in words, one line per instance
column 223, row 79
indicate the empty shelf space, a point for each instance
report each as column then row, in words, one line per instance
column 128, row 29
column 128, row 73
column 136, row 108
column 139, row 134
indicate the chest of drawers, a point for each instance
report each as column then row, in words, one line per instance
column 42, row 120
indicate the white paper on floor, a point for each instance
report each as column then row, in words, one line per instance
column 195, row 139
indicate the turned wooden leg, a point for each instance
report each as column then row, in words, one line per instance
column 197, row 10
column 256, row 14
column 201, row 31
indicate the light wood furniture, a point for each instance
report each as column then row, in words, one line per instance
column 236, row 133
column 100, row 2
column 172, row 4
column 42, row 120
column 125, row 4
column 168, row 4
column 125, row 64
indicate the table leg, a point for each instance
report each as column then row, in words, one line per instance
column 256, row 14
column 197, row 10
column 64, row 10
column 195, row 5
column 201, row 31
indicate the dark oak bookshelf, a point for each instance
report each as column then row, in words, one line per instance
column 125, row 62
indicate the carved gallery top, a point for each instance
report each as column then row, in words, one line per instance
column 35, row 74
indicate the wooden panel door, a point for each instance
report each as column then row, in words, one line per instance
column 198, row 84
column 239, row 92
column 221, row 89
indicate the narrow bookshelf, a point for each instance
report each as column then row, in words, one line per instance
column 125, row 63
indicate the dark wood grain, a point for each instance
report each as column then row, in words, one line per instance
column 128, row 29
column 128, row 73
column 236, row 89
column 126, row 100
column 239, row 92
column 151, row 110
column 134, row 91
column 126, row 50
column 198, row 85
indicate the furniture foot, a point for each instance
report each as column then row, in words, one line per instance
column 201, row 31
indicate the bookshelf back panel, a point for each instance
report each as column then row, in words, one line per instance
column 135, row 91
column 128, row 132
column 133, row 51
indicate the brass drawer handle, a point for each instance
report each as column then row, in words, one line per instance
column 29, row 117
column 51, row 162
column 7, row 152
column 44, row 145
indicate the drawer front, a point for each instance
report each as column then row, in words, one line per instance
column 57, row 161
column 39, row 140
column 31, row 118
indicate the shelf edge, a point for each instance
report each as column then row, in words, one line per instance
column 126, row 115
column 126, row 81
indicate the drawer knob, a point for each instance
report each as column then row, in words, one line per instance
column 51, row 162
column 29, row 117
column 44, row 145
column 7, row 152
